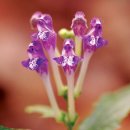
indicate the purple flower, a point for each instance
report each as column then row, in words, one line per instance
column 79, row 24
column 68, row 60
column 40, row 21
column 45, row 32
column 35, row 50
column 93, row 39
column 91, row 42
column 37, row 60
column 97, row 26
column 47, row 38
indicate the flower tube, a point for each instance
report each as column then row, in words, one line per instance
column 91, row 42
column 47, row 36
column 79, row 27
column 39, row 63
column 69, row 61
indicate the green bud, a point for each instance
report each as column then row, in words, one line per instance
column 65, row 33
column 61, row 116
column 63, row 91
column 70, row 123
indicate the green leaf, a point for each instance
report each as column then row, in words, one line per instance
column 45, row 111
column 110, row 111
column 5, row 128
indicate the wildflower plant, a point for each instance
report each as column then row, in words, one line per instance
column 78, row 47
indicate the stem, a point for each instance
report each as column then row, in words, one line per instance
column 57, row 52
column 56, row 72
column 71, row 101
column 78, row 45
column 50, row 93
column 70, row 128
column 81, row 77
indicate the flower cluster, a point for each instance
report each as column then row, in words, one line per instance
column 45, row 38
column 44, row 42
column 91, row 40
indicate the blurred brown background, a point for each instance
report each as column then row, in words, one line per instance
column 109, row 68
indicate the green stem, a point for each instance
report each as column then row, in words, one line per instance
column 70, row 127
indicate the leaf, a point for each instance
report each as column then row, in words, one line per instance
column 110, row 111
column 5, row 128
column 45, row 111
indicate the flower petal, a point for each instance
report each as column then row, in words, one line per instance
column 38, row 64
column 79, row 24
column 41, row 20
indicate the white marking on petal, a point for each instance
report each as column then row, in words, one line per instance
column 43, row 35
column 98, row 21
column 31, row 44
column 33, row 64
column 68, row 60
column 93, row 40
